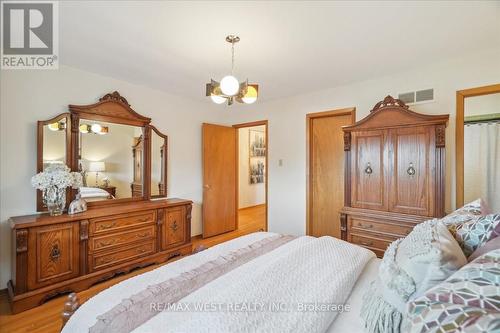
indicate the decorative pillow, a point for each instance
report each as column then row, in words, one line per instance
column 411, row 266
column 464, row 214
column 468, row 301
column 476, row 232
column 492, row 244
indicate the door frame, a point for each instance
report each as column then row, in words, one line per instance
column 237, row 127
column 459, row 135
column 309, row 120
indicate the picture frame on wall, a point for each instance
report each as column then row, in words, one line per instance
column 257, row 143
column 257, row 156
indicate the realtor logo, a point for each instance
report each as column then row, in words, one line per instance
column 29, row 35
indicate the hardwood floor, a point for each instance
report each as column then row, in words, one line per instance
column 46, row 318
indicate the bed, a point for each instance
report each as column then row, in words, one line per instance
column 94, row 194
column 258, row 282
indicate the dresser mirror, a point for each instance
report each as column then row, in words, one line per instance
column 53, row 146
column 110, row 167
column 121, row 156
column 159, row 163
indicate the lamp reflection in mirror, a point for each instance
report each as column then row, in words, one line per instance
column 97, row 167
column 94, row 128
column 58, row 126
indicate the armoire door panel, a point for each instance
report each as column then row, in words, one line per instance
column 412, row 177
column 369, row 170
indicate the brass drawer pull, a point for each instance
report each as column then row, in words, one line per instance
column 106, row 260
column 144, row 219
column 108, row 226
column 107, row 243
column 367, row 243
column 365, row 226
column 55, row 253
column 141, row 250
column 174, row 226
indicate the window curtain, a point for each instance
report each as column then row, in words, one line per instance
column 482, row 163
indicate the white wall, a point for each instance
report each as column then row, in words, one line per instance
column 249, row 194
column 287, row 127
column 27, row 96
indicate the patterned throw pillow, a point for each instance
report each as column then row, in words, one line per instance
column 464, row 214
column 476, row 232
column 411, row 266
column 468, row 301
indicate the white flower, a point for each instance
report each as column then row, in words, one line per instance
column 56, row 175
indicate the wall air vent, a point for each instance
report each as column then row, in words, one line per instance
column 417, row 97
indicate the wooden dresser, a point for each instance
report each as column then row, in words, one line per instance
column 394, row 174
column 61, row 254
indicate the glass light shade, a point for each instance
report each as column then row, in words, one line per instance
column 229, row 85
column 217, row 99
column 251, row 95
column 53, row 127
column 96, row 128
column 84, row 128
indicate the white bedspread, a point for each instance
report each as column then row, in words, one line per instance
column 267, row 294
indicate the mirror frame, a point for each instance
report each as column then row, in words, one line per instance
column 459, row 136
column 165, row 160
column 39, row 157
column 111, row 108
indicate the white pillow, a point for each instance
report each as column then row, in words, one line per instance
column 429, row 255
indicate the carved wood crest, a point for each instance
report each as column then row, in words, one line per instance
column 389, row 101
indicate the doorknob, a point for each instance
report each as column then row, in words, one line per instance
column 206, row 186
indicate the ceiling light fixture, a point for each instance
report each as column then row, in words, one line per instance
column 229, row 89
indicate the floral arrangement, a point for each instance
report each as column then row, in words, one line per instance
column 56, row 175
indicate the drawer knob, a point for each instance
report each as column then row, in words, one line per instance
column 55, row 253
column 365, row 226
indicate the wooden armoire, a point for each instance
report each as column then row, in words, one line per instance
column 394, row 174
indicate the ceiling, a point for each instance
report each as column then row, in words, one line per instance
column 287, row 47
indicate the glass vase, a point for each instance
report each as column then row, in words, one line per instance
column 55, row 200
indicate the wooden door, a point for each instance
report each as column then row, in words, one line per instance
column 411, row 175
column 369, row 169
column 219, row 179
column 326, row 172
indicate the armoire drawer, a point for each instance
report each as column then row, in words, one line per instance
column 108, row 241
column 371, row 242
column 122, row 221
column 109, row 258
column 365, row 225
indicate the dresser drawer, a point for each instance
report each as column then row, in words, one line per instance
column 361, row 225
column 122, row 221
column 109, row 258
column 107, row 241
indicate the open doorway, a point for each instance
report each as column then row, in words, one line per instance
column 252, row 176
